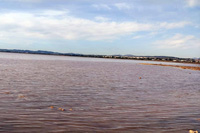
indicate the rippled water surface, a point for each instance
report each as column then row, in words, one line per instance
column 98, row 95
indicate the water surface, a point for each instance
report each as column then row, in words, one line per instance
column 98, row 95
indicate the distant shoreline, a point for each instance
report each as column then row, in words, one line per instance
column 124, row 57
column 182, row 67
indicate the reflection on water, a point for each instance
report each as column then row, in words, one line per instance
column 97, row 95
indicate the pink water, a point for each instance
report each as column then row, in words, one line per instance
column 98, row 95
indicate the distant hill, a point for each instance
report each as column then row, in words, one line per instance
column 129, row 55
column 37, row 52
column 118, row 56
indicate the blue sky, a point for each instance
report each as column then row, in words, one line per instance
column 138, row 27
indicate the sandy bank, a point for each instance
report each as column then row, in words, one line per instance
column 183, row 67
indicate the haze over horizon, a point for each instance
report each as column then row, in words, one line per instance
column 138, row 27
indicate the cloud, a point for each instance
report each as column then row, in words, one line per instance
column 27, row 1
column 137, row 37
column 122, row 6
column 53, row 13
column 167, row 25
column 193, row 3
column 101, row 6
column 51, row 24
column 179, row 41
column 100, row 18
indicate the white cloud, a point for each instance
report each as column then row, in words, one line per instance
column 193, row 3
column 179, row 41
column 167, row 25
column 18, row 25
column 53, row 13
column 32, row 1
column 122, row 6
column 101, row 6
column 137, row 37
column 100, row 18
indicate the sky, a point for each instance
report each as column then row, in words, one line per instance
column 105, row 27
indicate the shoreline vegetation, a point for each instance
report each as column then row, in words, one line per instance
column 127, row 57
column 182, row 67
